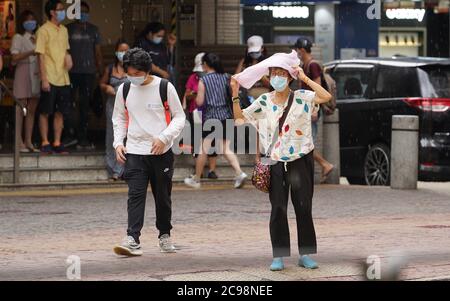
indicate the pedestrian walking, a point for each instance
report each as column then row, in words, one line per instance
column 148, row 113
column 212, row 93
column 314, row 71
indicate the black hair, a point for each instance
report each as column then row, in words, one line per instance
column 248, row 60
column 86, row 5
column 22, row 18
column 213, row 61
column 119, row 42
column 139, row 59
column 304, row 43
column 153, row 27
column 51, row 5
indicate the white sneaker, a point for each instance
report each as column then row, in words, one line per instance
column 129, row 247
column 240, row 180
column 192, row 182
column 165, row 244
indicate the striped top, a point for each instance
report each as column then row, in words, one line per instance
column 217, row 104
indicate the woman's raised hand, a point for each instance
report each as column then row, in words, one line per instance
column 300, row 73
column 234, row 86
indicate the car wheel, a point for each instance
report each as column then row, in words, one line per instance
column 356, row 181
column 377, row 166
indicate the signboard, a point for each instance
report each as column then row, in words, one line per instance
column 8, row 22
column 188, row 22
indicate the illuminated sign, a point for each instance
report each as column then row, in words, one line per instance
column 406, row 14
column 286, row 12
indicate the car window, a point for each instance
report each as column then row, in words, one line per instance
column 435, row 81
column 394, row 82
column 352, row 81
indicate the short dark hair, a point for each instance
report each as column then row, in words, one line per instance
column 139, row 59
column 86, row 5
column 51, row 5
column 213, row 61
column 153, row 27
column 304, row 43
column 22, row 18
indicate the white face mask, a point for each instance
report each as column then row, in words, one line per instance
column 157, row 40
column 255, row 55
column 137, row 80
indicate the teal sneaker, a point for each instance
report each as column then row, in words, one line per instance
column 306, row 262
column 277, row 265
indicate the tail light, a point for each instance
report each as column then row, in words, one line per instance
column 438, row 105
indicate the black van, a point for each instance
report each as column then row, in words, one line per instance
column 370, row 92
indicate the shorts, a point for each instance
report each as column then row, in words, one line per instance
column 58, row 99
column 206, row 133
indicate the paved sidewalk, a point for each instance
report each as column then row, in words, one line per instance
column 223, row 235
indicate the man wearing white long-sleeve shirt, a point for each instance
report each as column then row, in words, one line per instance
column 149, row 114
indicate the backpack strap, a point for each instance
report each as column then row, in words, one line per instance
column 126, row 91
column 163, row 92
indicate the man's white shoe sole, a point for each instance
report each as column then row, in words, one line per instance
column 122, row 251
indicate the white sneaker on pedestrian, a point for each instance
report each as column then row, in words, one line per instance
column 165, row 244
column 192, row 182
column 240, row 180
column 129, row 247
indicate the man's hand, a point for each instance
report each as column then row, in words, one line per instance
column 45, row 86
column 121, row 152
column 158, row 147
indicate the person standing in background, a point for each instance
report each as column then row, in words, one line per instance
column 85, row 47
column 151, row 40
column 113, row 77
column 255, row 53
column 52, row 45
column 27, row 83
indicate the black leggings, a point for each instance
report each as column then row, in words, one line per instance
column 299, row 177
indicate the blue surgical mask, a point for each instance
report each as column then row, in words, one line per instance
column 157, row 40
column 30, row 25
column 137, row 80
column 60, row 15
column 84, row 17
column 120, row 55
column 279, row 83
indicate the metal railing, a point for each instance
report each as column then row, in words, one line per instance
column 20, row 108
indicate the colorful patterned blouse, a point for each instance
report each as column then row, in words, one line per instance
column 295, row 140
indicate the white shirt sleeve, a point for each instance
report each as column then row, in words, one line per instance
column 177, row 124
column 119, row 119
column 16, row 45
column 307, row 96
column 255, row 111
